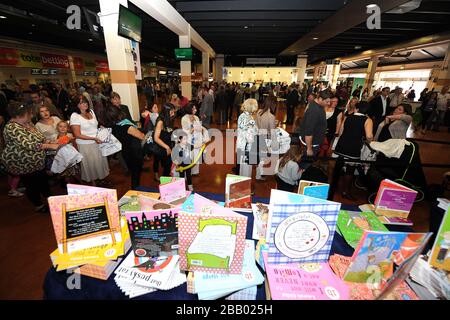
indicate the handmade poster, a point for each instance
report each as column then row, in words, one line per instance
column 260, row 216
column 440, row 254
column 300, row 228
column 85, row 220
column 311, row 281
column 212, row 238
column 374, row 258
column 154, row 233
column 164, row 180
column 130, row 201
column 394, row 199
column 238, row 192
column 352, row 225
column 313, row 189
column 173, row 191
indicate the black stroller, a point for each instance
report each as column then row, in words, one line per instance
column 406, row 170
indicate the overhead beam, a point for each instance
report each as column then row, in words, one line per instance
column 352, row 14
column 163, row 12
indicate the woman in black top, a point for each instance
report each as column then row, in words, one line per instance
column 130, row 138
column 162, row 136
column 356, row 128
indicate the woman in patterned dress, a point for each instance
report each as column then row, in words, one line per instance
column 24, row 154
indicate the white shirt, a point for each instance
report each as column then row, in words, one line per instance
column 49, row 130
column 384, row 101
column 87, row 127
column 442, row 99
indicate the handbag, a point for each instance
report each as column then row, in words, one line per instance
column 149, row 146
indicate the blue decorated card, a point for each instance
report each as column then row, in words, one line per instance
column 300, row 228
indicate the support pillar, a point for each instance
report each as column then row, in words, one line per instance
column 335, row 70
column 186, row 69
column 370, row 73
column 443, row 78
column 120, row 58
column 205, row 67
column 301, row 68
column 220, row 62
column 73, row 74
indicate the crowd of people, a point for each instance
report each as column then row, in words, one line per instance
column 37, row 122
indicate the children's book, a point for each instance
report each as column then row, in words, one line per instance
column 440, row 254
column 313, row 189
column 212, row 238
column 174, row 191
column 84, row 221
column 384, row 219
column 164, row 180
column 352, row 224
column 238, row 191
column 377, row 252
column 154, row 233
column 130, row 201
column 260, row 217
column 300, row 228
column 310, row 281
column 212, row 285
column 394, row 200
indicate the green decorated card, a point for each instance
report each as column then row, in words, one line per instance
column 352, row 224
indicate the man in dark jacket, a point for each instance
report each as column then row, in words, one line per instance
column 379, row 108
column 62, row 100
column 291, row 103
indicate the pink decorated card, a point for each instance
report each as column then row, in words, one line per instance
column 212, row 238
column 84, row 221
column 172, row 191
column 309, row 281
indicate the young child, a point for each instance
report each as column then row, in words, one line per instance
column 181, row 156
column 71, row 174
column 288, row 170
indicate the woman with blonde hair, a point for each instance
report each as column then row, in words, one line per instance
column 247, row 130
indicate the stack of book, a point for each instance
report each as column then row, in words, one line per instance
column 137, row 276
column 432, row 280
column 210, row 286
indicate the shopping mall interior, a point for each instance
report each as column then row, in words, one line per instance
column 351, row 48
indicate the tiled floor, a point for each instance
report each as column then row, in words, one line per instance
column 26, row 237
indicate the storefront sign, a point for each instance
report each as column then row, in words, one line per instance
column 89, row 65
column 55, row 60
column 101, row 66
column 9, row 57
column 29, row 59
column 90, row 73
column 78, row 63
column 35, row 71
column 261, row 60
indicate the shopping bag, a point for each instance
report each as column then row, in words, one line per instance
column 66, row 157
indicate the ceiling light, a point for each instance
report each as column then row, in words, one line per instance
column 90, row 39
column 315, row 38
column 358, row 47
column 245, row 27
column 3, row 17
column 424, row 52
column 30, row 32
column 373, row 5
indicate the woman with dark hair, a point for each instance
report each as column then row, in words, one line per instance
column 84, row 124
column 162, row 137
column 356, row 128
column 24, row 154
column 396, row 125
column 130, row 138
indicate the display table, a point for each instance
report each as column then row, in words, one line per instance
column 55, row 283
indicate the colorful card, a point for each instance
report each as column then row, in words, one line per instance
column 130, row 201
column 212, row 238
column 440, row 254
column 313, row 189
column 394, row 199
column 374, row 258
column 238, row 191
column 173, row 191
column 311, row 281
column 85, row 220
column 352, row 225
column 260, row 217
column 211, row 285
column 154, row 233
column 300, row 228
